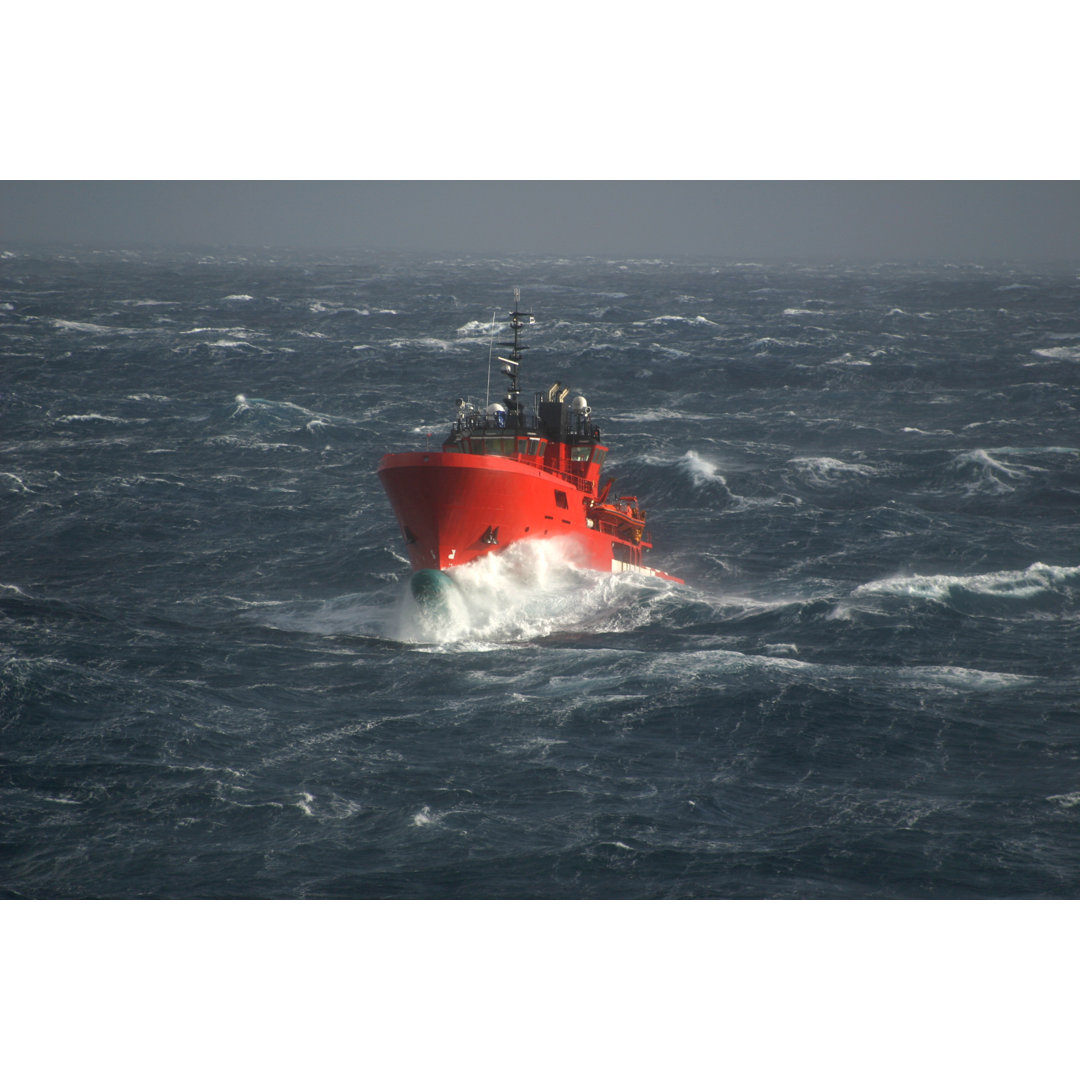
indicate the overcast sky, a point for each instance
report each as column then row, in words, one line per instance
column 713, row 114
column 878, row 220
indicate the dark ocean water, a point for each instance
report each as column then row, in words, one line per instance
column 212, row 684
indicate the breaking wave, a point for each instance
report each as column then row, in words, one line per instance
column 1037, row 580
column 827, row 471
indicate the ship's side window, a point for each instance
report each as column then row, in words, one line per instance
column 560, row 499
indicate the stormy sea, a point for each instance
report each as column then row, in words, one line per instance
column 214, row 683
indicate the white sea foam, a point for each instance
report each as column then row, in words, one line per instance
column 528, row 591
column 322, row 307
column 441, row 344
column 657, row 415
column 701, row 470
column 426, row 816
column 1010, row 584
column 239, row 296
column 827, row 471
column 86, row 418
column 1059, row 352
column 782, row 648
column 696, row 320
column 990, row 474
column 749, row 503
column 16, row 483
column 478, row 327
column 236, row 330
column 85, row 327
column 1067, row 801
column 960, row 677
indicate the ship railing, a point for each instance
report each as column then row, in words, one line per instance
column 582, row 485
column 477, row 421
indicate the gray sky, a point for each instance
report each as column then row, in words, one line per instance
column 879, row 220
column 669, row 99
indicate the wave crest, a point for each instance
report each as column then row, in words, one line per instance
column 1038, row 579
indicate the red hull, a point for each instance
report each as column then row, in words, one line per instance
column 455, row 507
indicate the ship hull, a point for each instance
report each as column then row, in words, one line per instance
column 454, row 508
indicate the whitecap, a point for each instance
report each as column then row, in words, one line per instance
column 85, row 327
column 84, row 418
column 767, row 342
column 701, row 470
column 847, row 360
column 1012, row 584
column 239, row 296
column 1059, row 352
column 696, row 320
column 1067, row 800
column 990, row 473
column 747, row 503
column 426, row 816
column 17, row 483
column 782, row 648
column 654, row 415
column 440, row 344
column 826, row 471
column 961, row 677
column 476, row 326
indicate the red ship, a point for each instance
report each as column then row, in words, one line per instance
column 504, row 475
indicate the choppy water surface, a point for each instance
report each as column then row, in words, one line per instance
column 212, row 683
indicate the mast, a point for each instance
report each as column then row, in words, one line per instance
column 511, row 363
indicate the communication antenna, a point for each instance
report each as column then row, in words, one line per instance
column 491, row 346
